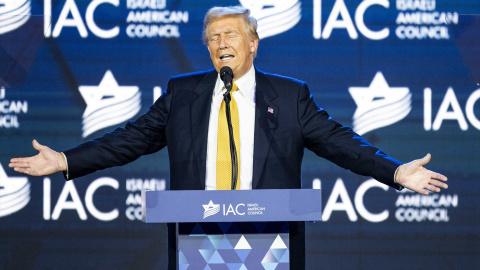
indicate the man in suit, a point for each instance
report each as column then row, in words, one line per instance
column 277, row 116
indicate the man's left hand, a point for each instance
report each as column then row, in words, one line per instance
column 415, row 177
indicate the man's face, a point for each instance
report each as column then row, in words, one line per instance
column 230, row 45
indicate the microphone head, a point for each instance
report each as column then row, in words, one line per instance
column 226, row 71
column 226, row 75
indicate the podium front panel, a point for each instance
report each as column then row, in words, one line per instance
column 239, row 245
column 234, row 229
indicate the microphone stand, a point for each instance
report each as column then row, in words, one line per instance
column 233, row 150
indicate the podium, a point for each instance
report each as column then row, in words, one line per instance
column 233, row 229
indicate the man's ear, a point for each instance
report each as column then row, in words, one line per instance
column 253, row 45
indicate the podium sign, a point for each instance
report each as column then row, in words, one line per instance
column 233, row 229
column 231, row 205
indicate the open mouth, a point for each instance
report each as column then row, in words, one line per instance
column 226, row 57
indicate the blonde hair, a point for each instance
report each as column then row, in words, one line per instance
column 235, row 11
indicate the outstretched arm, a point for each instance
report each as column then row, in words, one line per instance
column 46, row 162
column 415, row 177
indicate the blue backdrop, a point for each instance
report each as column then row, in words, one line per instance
column 390, row 69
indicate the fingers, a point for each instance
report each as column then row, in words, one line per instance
column 437, row 181
column 423, row 192
column 23, row 162
column 26, row 170
column 432, row 186
column 19, row 163
column 25, row 165
column 21, row 169
column 439, row 176
column 438, row 184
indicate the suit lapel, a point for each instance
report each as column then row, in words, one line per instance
column 265, row 123
column 266, row 112
column 199, row 116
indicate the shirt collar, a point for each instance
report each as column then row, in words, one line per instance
column 245, row 84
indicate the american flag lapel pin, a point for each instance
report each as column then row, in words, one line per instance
column 270, row 110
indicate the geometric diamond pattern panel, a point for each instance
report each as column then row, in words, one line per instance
column 258, row 248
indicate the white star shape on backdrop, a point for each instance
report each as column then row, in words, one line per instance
column 10, row 184
column 377, row 94
column 107, row 93
column 14, row 193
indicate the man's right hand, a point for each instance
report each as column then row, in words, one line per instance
column 46, row 162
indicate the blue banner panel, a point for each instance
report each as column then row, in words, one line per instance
column 231, row 205
column 390, row 69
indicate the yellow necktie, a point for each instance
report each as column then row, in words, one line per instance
column 224, row 161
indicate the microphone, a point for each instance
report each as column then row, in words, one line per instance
column 226, row 75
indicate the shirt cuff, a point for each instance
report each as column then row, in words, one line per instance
column 65, row 173
column 400, row 187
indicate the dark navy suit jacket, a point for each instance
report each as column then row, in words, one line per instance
column 287, row 120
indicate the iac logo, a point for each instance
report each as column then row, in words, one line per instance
column 108, row 104
column 210, row 209
column 145, row 18
column 274, row 17
column 229, row 209
column 379, row 105
column 14, row 193
column 13, row 14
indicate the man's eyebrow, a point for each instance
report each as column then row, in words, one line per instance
column 230, row 30
column 227, row 32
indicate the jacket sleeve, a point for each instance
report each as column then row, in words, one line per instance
column 340, row 144
column 143, row 136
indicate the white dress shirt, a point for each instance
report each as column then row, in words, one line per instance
column 245, row 98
